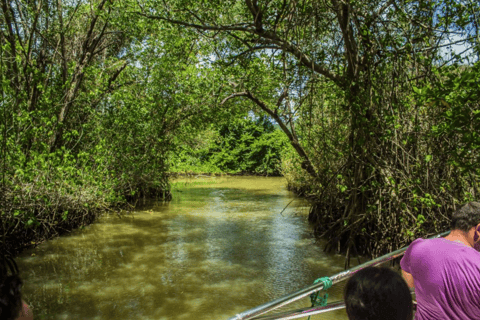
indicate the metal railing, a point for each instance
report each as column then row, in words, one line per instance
column 256, row 312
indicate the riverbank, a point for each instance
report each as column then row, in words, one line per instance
column 36, row 210
column 42, row 209
column 219, row 174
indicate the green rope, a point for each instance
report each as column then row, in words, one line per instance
column 320, row 301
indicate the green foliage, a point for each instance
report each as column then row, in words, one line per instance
column 240, row 145
column 455, row 101
column 88, row 113
column 297, row 180
column 247, row 145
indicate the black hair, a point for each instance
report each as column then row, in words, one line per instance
column 378, row 294
column 467, row 217
column 10, row 297
column 10, row 290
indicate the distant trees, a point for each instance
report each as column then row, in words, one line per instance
column 237, row 145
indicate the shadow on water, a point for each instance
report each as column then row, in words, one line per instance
column 216, row 250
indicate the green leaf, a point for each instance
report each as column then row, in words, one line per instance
column 417, row 90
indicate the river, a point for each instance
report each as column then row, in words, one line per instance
column 220, row 247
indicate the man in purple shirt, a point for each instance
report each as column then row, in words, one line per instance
column 445, row 272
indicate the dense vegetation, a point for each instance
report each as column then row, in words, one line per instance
column 91, row 101
column 238, row 146
column 101, row 99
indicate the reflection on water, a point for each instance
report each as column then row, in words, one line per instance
column 218, row 248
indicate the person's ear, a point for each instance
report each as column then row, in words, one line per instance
column 476, row 232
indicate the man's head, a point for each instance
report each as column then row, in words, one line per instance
column 378, row 294
column 467, row 220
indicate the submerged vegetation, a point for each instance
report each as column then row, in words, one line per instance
column 362, row 106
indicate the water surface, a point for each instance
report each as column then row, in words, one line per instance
column 220, row 247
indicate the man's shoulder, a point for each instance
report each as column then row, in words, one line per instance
column 427, row 247
column 420, row 242
column 439, row 250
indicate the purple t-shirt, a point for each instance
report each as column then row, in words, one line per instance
column 447, row 279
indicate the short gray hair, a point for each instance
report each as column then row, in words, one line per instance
column 467, row 217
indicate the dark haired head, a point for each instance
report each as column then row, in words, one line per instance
column 467, row 217
column 378, row 294
column 10, row 297
column 10, row 284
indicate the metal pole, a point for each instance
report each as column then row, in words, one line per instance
column 308, row 311
column 291, row 297
column 304, row 312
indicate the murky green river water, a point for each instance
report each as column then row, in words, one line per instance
column 219, row 248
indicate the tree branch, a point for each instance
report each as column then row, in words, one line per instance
column 306, row 163
column 270, row 37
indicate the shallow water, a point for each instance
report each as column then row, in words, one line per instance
column 220, row 247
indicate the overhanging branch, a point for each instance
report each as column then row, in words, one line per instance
column 269, row 37
column 306, row 162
